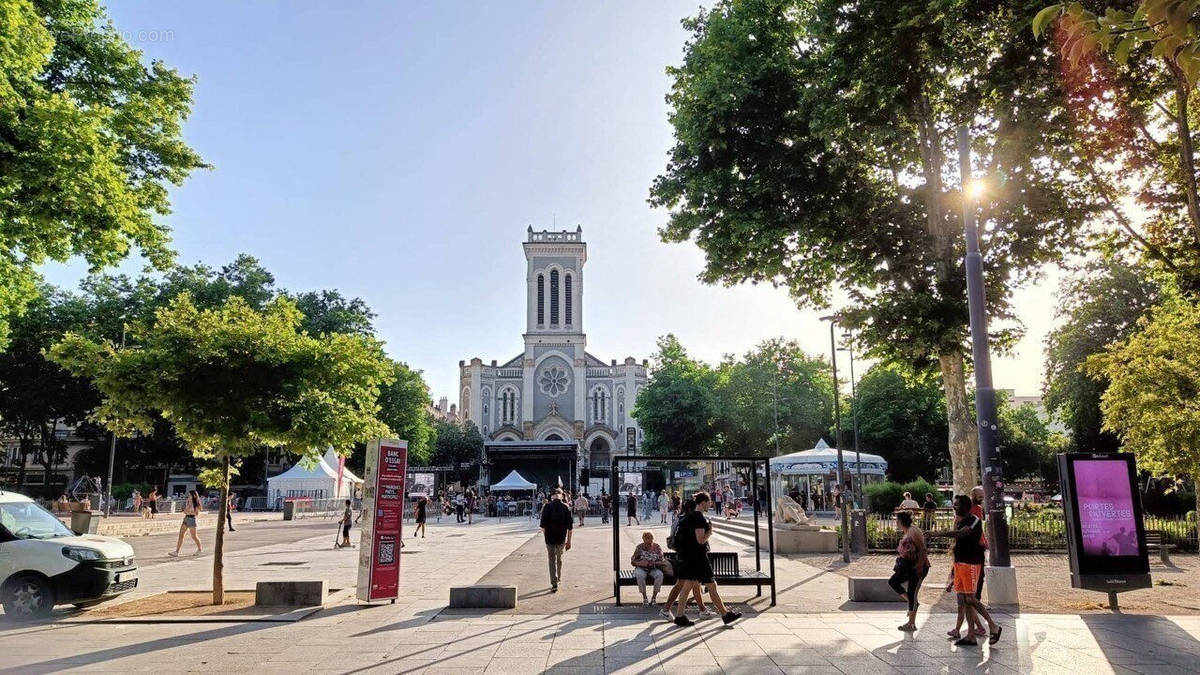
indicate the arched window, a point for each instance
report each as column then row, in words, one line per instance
column 567, row 297
column 553, row 297
column 541, row 300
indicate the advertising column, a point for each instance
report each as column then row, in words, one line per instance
column 382, row 518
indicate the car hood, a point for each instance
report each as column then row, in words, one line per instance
column 110, row 547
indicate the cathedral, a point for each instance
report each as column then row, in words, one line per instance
column 554, row 409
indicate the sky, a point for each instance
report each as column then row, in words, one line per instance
column 397, row 151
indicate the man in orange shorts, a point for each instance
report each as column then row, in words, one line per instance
column 968, row 569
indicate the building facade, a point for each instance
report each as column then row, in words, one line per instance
column 555, row 390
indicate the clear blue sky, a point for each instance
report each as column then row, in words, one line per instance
column 396, row 151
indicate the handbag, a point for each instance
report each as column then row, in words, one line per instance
column 666, row 568
column 903, row 565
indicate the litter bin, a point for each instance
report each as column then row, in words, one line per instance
column 289, row 510
column 85, row 522
column 858, row 529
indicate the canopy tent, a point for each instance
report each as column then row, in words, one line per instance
column 513, row 481
column 823, row 459
column 320, row 481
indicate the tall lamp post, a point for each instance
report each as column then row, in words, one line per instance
column 854, row 415
column 1002, row 586
column 112, row 448
column 837, row 437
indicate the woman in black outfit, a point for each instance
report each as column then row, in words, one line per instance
column 422, row 504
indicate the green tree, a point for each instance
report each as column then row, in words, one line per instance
column 1153, row 398
column 1129, row 72
column 233, row 380
column 404, row 408
column 902, row 418
column 814, row 149
column 1028, row 444
column 38, row 397
column 458, row 443
column 1098, row 305
column 677, row 409
column 775, row 380
column 90, row 139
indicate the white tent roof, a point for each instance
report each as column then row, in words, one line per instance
column 321, row 476
column 822, row 460
column 513, row 481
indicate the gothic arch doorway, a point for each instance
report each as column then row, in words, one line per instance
column 599, row 454
column 554, row 437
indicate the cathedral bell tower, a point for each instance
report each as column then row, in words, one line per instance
column 554, row 279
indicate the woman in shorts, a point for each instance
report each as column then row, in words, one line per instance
column 191, row 509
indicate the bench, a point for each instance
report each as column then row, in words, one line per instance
column 725, row 571
column 871, row 589
column 1156, row 539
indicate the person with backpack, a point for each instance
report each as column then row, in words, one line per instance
column 695, row 569
column 685, row 507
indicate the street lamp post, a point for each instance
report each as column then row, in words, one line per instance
column 837, row 437
column 112, row 449
column 1002, row 577
column 854, row 415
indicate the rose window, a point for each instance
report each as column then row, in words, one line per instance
column 554, row 381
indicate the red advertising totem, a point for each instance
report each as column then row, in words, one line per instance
column 382, row 519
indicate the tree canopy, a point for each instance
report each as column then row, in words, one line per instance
column 902, row 418
column 814, row 150
column 90, row 140
column 233, row 380
column 677, row 409
column 404, row 408
column 1098, row 305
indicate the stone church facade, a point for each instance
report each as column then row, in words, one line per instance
column 555, row 390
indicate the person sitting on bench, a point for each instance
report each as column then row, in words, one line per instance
column 648, row 561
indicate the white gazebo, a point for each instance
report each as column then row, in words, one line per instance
column 513, row 482
column 817, row 469
column 320, row 481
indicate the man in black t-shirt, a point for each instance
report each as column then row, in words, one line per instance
column 694, row 570
column 556, row 525
column 968, row 566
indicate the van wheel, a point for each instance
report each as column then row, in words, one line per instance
column 27, row 597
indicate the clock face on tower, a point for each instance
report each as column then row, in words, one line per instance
column 554, row 381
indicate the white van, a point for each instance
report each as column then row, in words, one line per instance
column 43, row 563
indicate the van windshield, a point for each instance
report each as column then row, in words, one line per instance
column 27, row 520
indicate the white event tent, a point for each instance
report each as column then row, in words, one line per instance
column 317, row 482
column 512, row 482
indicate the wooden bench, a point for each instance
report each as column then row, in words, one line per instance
column 725, row 571
column 1156, row 539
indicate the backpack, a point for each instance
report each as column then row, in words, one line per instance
column 671, row 538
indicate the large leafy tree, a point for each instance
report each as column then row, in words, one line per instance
column 902, row 418
column 1029, row 444
column 1153, row 398
column 404, row 408
column 37, row 396
column 776, row 382
column 90, row 139
column 1098, row 305
column 815, row 150
column 677, row 409
column 1130, row 72
column 233, row 380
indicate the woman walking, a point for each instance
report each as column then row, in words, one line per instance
column 422, row 505
column 912, row 564
column 153, row 499
column 191, row 509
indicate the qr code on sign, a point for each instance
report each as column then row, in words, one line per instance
column 387, row 552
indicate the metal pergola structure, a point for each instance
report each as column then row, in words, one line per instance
column 752, row 461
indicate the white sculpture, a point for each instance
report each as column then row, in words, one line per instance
column 787, row 511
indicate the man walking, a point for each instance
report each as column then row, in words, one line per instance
column 605, row 505
column 663, row 506
column 695, row 570
column 556, row 527
column 581, row 507
column 460, row 504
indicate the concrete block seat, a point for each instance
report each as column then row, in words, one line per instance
column 725, row 571
column 290, row 593
column 484, row 596
column 871, row 589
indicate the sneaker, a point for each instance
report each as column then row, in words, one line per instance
column 731, row 616
column 666, row 614
column 707, row 613
column 645, row 602
column 554, row 588
column 684, row 621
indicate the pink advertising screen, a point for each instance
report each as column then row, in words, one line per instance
column 1106, row 511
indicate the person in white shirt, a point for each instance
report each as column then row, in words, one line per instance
column 909, row 502
column 663, row 503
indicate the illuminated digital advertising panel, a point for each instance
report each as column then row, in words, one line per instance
column 1106, row 539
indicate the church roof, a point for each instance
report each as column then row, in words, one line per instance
column 593, row 361
column 515, row 361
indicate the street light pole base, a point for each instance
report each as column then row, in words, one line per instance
column 1001, row 583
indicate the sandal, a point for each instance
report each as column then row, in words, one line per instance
column 954, row 634
column 907, row 628
column 965, row 642
column 993, row 638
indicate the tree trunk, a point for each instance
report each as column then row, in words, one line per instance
column 1187, row 159
column 964, row 438
column 219, row 546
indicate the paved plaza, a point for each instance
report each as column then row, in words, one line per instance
column 578, row 630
